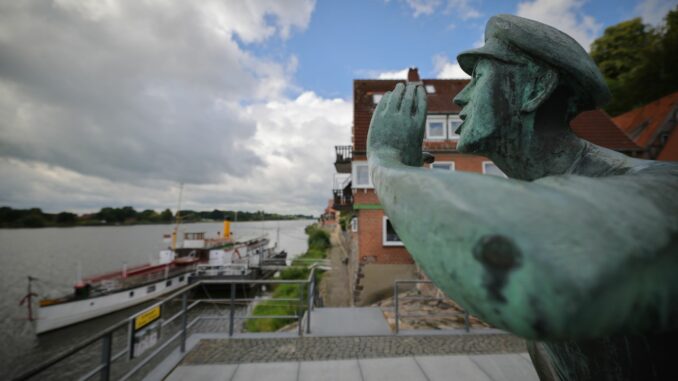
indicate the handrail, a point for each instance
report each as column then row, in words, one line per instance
column 106, row 335
column 396, row 304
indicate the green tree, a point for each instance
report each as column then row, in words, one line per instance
column 149, row 215
column 638, row 62
column 166, row 215
column 66, row 218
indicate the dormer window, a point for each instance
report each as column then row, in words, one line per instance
column 376, row 98
column 430, row 89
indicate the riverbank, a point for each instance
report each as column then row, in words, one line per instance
column 318, row 245
column 127, row 216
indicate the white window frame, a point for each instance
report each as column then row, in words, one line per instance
column 354, row 174
column 450, row 130
column 354, row 224
column 436, row 119
column 452, row 168
column 485, row 163
column 383, row 235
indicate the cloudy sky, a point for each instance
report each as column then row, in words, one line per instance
column 112, row 103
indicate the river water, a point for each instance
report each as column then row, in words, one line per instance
column 53, row 255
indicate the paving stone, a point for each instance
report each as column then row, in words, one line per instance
column 235, row 351
column 506, row 368
column 339, row 370
column 451, row 368
column 202, row 373
column 391, row 369
column 273, row 371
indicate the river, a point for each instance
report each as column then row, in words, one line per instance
column 53, row 255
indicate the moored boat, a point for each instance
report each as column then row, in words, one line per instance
column 102, row 294
column 175, row 267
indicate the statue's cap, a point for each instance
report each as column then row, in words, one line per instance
column 512, row 39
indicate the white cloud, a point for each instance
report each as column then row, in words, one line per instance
column 459, row 8
column 448, row 70
column 462, row 9
column 566, row 15
column 423, row 7
column 396, row 74
column 115, row 102
column 653, row 11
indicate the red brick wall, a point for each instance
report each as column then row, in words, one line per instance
column 365, row 196
column 370, row 241
column 462, row 162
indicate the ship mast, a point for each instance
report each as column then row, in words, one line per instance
column 178, row 218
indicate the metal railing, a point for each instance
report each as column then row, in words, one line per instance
column 344, row 153
column 397, row 298
column 106, row 336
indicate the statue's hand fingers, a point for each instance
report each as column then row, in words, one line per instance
column 381, row 106
column 406, row 107
column 395, row 99
column 421, row 107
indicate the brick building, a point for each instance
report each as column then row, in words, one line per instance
column 379, row 255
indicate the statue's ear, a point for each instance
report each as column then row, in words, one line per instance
column 539, row 90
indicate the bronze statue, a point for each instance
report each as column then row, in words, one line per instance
column 578, row 250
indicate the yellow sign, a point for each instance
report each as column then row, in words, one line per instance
column 147, row 317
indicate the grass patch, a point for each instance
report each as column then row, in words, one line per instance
column 318, row 244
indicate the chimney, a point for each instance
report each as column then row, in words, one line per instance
column 413, row 75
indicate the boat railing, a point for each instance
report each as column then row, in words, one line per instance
column 115, row 342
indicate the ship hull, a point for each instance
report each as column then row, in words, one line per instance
column 60, row 315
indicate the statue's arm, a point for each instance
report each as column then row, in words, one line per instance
column 562, row 257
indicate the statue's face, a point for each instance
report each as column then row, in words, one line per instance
column 489, row 106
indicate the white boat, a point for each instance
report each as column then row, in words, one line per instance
column 103, row 294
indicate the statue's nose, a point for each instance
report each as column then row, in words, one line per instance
column 462, row 98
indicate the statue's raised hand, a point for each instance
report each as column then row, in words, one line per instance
column 397, row 127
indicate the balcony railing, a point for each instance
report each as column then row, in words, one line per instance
column 342, row 200
column 344, row 155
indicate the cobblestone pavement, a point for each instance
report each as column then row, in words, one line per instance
column 335, row 287
column 232, row 351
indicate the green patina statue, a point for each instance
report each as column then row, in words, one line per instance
column 578, row 250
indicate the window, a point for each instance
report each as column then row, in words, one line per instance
column 361, row 175
column 168, row 283
column 376, row 98
column 354, row 224
column 150, row 289
column 389, row 235
column 443, row 165
column 430, row 89
column 490, row 169
column 454, row 123
column 435, row 128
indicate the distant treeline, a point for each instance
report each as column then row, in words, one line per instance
column 127, row 215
